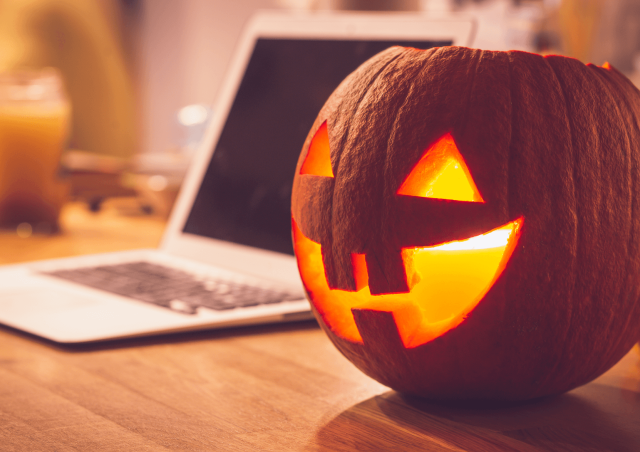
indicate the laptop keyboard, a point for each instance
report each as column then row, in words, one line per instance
column 171, row 288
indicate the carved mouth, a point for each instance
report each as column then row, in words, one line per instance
column 447, row 282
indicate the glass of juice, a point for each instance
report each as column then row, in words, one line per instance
column 34, row 128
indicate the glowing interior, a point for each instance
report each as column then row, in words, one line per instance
column 441, row 173
column 318, row 159
column 447, row 282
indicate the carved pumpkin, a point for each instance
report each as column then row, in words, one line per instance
column 466, row 223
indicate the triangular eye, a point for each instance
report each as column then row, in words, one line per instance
column 318, row 159
column 441, row 173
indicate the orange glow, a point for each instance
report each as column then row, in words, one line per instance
column 441, row 173
column 360, row 274
column 448, row 281
column 318, row 159
column 606, row 65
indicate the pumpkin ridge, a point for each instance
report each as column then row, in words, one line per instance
column 388, row 148
column 512, row 185
column 425, row 55
column 422, row 70
column 389, row 154
column 628, row 140
column 528, row 75
column 478, row 56
column 626, row 117
column 600, row 95
column 342, row 143
column 552, row 374
column 608, row 91
column 364, row 98
column 613, row 91
column 613, row 88
column 359, row 102
column 379, row 259
column 511, row 143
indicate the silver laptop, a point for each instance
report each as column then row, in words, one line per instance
column 226, row 257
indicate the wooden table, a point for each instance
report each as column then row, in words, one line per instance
column 274, row 388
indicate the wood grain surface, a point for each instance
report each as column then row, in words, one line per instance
column 272, row 388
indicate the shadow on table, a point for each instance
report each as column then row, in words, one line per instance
column 592, row 418
column 173, row 338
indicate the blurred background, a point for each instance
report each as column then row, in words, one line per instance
column 134, row 82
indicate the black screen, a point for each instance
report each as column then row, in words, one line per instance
column 245, row 195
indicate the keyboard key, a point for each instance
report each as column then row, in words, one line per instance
column 171, row 288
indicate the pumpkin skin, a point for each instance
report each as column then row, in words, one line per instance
column 549, row 142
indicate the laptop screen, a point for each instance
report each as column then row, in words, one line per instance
column 245, row 195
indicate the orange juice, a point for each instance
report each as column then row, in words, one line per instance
column 34, row 124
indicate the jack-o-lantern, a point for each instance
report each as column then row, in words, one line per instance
column 467, row 223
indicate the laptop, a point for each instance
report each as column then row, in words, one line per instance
column 226, row 257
